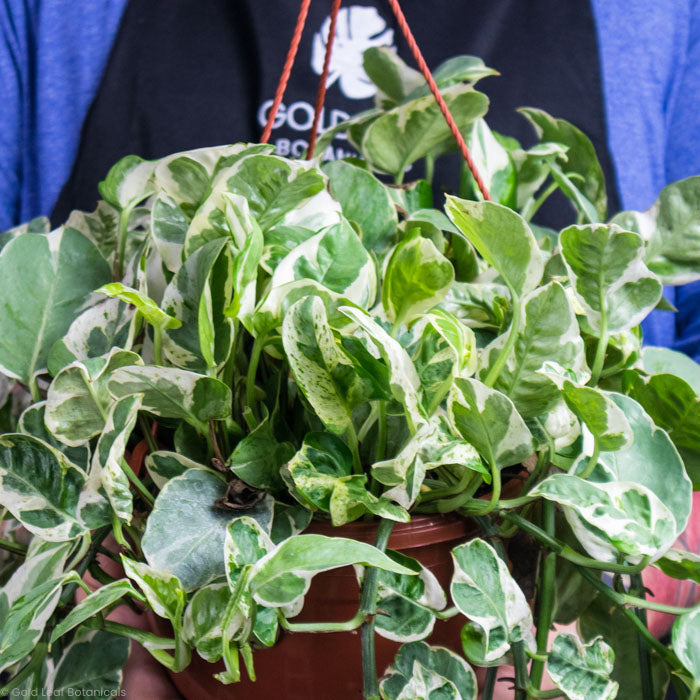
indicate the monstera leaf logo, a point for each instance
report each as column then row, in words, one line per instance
column 357, row 29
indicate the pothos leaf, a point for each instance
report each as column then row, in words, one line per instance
column 144, row 304
column 582, row 671
column 503, row 239
column 686, row 643
column 163, row 590
column 483, row 590
column 419, row 669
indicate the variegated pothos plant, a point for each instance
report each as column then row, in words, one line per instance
column 312, row 342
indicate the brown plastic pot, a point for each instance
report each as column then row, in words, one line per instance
column 320, row 666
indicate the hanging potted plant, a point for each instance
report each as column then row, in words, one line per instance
column 330, row 372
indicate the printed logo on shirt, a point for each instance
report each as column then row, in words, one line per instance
column 358, row 28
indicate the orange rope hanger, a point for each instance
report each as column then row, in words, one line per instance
column 321, row 94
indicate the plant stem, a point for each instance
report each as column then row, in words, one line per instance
column 368, row 607
column 258, row 345
column 645, row 675
column 602, row 343
column 429, row 168
column 592, row 461
column 146, row 429
column 354, row 445
column 158, row 344
column 381, row 433
column 138, row 484
column 545, row 598
column 529, row 212
column 17, row 549
column 481, row 508
column 520, row 662
column 124, row 216
column 347, row 626
column 566, row 552
column 231, row 657
column 495, row 371
column 489, row 683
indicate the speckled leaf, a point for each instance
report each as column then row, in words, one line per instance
column 614, row 518
column 92, row 666
column 188, row 506
column 488, row 420
column 45, row 281
column 100, row 226
column 322, row 372
column 169, row 226
column 403, row 378
column 174, row 393
column 483, row 590
column 503, row 238
column 582, row 671
column 127, row 182
column 284, row 575
column 77, row 401
column 336, row 258
column 416, row 278
column 45, row 492
column 452, row 669
column 608, row 275
column 109, row 455
column 412, row 130
column 365, row 201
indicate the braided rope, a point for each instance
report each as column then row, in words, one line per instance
column 406, row 30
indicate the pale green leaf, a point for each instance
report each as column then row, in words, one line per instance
column 144, row 304
column 685, row 638
column 163, row 590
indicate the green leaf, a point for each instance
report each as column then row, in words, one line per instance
column 144, row 304
column 288, row 520
column 279, row 241
column 550, row 333
column 604, row 618
column 204, row 336
column 503, row 239
column 665, row 361
column 582, row 671
column 581, row 156
column 174, row 393
column 430, row 673
column 416, row 279
column 92, row 666
column 100, row 226
column 403, row 378
column 584, row 207
column 127, row 182
column 674, row 406
column 479, row 305
column 608, row 275
column 98, row 601
column 246, row 542
column 431, row 447
column 321, row 475
column 336, row 258
column 259, row 456
column 187, row 506
column 677, row 563
column 45, row 280
column 77, row 401
column 109, row 455
column 685, row 638
column 365, row 201
column 601, row 415
column 284, row 575
column 483, row 590
column 487, row 419
column 51, row 497
column 615, row 517
column 407, row 604
column 321, row 370
column 387, row 70
column 412, row 130
column 164, row 591
column 25, row 621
